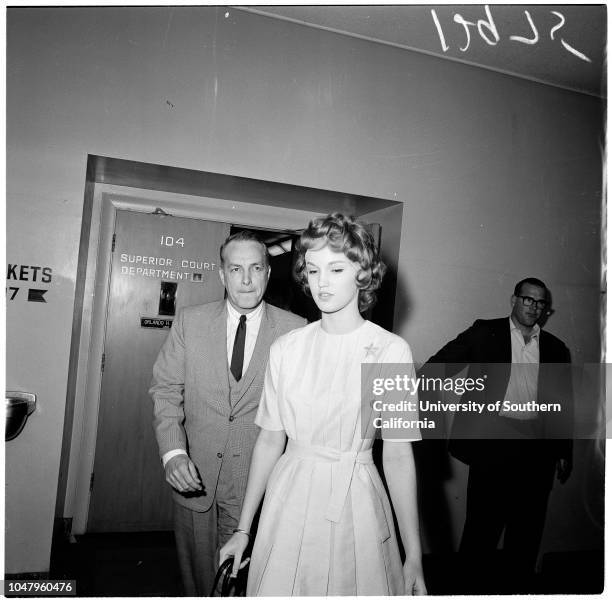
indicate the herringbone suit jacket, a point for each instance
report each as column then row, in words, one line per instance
column 199, row 407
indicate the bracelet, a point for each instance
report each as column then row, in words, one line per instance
column 242, row 531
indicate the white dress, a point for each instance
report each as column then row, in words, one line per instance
column 326, row 526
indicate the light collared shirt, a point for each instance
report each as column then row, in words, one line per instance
column 253, row 321
column 523, row 382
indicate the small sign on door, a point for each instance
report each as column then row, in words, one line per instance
column 158, row 323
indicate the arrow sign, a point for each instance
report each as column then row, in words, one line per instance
column 36, row 296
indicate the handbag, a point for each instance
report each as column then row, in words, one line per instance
column 230, row 587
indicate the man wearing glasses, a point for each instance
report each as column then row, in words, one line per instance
column 514, row 450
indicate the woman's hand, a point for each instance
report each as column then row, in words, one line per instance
column 414, row 583
column 268, row 448
column 235, row 547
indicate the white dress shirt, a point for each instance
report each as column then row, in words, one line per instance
column 253, row 321
column 523, row 382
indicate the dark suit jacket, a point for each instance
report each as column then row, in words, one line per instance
column 194, row 406
column 486, row 348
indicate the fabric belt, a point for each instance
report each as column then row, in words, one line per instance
column 345, row 460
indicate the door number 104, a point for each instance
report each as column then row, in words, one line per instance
column 171, row 241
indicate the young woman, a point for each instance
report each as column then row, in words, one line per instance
column 326, row 526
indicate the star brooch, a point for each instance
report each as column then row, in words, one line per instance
column 371, row 350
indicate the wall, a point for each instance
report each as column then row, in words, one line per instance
column 500, row 177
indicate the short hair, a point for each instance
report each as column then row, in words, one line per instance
column 244, row 236
column 343, row 234
column 532, row 282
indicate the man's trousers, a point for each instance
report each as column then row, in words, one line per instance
column 200, row 535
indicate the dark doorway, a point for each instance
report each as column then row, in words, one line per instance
column 285, row 293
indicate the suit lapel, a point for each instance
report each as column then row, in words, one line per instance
column 502, row 347
column 545, row 349
column 500, row 355
column 218, row 345
column 259, row 359
column 546, row 373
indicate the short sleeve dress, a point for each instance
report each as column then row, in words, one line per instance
column 326, row 526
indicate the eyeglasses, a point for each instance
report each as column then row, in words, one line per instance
column 528, row 302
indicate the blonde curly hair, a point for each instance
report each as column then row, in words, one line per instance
column 346, row 235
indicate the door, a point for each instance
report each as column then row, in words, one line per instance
column 159, row 264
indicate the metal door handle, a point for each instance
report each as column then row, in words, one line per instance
column 19, row 405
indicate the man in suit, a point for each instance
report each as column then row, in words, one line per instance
column 512, row 453
column 207, row 382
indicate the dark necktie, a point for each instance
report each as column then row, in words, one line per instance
column 238, row 352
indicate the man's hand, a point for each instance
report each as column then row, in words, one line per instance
column 182, row 474
column 564, row 469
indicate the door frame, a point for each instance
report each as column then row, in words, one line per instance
column 107, row 200
column 115, row 184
